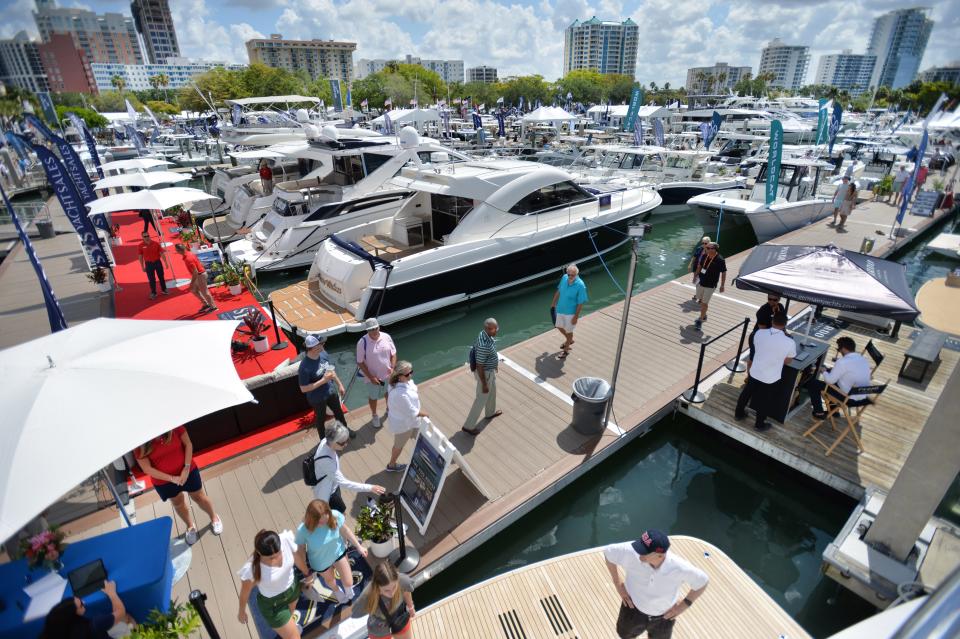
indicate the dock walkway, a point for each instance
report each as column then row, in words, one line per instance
column 522, row 457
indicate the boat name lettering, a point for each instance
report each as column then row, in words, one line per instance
column 331, row 285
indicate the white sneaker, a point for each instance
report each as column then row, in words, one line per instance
column 217, row 526
column 191, row 537
column 375, row 420
column 343, row 596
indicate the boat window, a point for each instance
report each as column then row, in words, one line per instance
column 550, row 197
column 651, row 162
column 679, row 162
column 347, row 169
column 373, row 161
column 286, row 208
column 446, row 211
column 612, row 160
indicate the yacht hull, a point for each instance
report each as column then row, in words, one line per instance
column 767, row 223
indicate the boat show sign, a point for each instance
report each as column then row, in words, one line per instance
column 636, row 99
column 773, row 161
column 425, row 474
column 337, row 97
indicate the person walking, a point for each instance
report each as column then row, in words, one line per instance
column 148, row 221
column 651, row 585
column 150, row 254
column 487, row 361
column 326, row 465
column 711, row 269
column 850, row 370
column 322, row 540
column 317, row 377
column 838, row 197
column 198, row 279
column 567, row 304
column 774, row 350
column 922, row 173
column 899, row 180
column 168, row 460
column 387, row 603
column 69, row 618
column 376, row 358
column 403, row 402
column 846, row 206
column 695, row 260
column 270, row 569
column 266, row 177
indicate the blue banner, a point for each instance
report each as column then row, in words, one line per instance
column 46, row 104
column 501, row 126
column 636, row 99
column 92, row 147
column 823, row 122
column 638, row 133
column 54, row 313
column 713, row 128
column 773, row 161
column 17, row 144
column 349, row 98
column 337, row 98
column 134, row 136
column 835, row 122
column 658, row 131
column 912, row 180
column 235, row 114
column 72, row 205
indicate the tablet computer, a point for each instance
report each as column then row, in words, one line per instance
column 88, row 578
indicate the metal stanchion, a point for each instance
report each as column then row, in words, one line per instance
column 694, row 396
column 735, row 365
column 278, row 345
column 199, row 601
column 405, row 558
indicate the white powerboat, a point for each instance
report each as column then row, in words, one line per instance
column 470, row 229
column 798, row 202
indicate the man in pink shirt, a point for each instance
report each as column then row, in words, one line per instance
column 376, row 357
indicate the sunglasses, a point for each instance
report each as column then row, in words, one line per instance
column 773, row 299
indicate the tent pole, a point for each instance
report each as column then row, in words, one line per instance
column 116, row 498
column 806, row 341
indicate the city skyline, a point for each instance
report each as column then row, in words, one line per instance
column 527, row 36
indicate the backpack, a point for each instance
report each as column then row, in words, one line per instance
column 472, row 358
column 309, row 468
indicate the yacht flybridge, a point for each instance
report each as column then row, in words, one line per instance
column 798, row 202
column 469, row 229
column 305, row 212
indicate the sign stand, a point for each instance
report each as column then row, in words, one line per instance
column 406, row 558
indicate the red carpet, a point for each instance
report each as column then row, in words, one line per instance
column 132, row 296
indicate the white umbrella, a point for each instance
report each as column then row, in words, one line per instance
column 159, row 200
column 78, row 399
column 142, row 179
column 137, row 163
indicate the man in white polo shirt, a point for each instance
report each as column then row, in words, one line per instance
column 652, row 588
column 773, row 350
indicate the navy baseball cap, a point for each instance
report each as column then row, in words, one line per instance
column 651, row 541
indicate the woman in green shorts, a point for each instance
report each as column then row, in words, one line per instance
column 271, row 570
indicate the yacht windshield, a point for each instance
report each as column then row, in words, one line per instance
column 550, row 197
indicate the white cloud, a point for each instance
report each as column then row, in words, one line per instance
column 16, row 18
column 203, row 38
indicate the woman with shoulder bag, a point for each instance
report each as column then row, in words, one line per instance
column 322, row 541
column 388, row 604
column 270, row 568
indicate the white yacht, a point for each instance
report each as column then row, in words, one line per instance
column 306, row 211
column 798, row 202
column 469, row 229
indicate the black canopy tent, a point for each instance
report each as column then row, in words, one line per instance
column 832, row 277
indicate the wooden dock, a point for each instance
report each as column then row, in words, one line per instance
column 573, row 596
column 523, row 457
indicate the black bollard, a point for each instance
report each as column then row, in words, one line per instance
column 199, row 601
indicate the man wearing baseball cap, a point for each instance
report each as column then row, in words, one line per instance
column 317, row 377
column 651, row 592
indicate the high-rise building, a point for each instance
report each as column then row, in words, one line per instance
column 482, row 73
column 20, row 64
column 66, row 65
column 607, row 47
column 155, row 25
column 788, row 64
column 716, row 79
column 898, row 40
column 847, row 71
column 448, row 70
column 948, row 73
column 110, row 37
column 319, row 58
column 179, row 72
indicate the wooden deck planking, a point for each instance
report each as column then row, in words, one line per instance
column 733, row 605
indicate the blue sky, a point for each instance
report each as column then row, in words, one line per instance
column 526, row 36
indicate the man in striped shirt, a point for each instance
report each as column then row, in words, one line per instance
column 487, row 362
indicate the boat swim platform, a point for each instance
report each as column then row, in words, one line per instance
column 572, row 596
column 938, row 302
column 303, row 309
column 521, row 458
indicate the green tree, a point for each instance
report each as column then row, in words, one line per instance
column 530, row 87
column 118, row 83
column 372, row 88
column 91, row 118
column 113, row 102
column 585, row 85
column 158, row 107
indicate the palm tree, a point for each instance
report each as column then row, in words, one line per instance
column 701, row 76
column 164, row 81
column 118, row 83
column 722, row 80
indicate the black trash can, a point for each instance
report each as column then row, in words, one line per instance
column 590, row 397
column 45, row 228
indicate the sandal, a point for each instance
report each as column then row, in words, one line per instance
column 563, row 354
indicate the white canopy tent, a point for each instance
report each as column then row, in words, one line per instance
column 136, row 163
column 412, row 117
column 274, row 99
column 141, row 179
column 617, row 112
column 159, row 200
column 555, row 115
column 78, row 399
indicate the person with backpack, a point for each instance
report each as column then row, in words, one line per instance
column 376, row 358
column 317, row 377
column 484, row 362
column 322, row 470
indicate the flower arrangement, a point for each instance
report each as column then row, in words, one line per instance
column 44, row 549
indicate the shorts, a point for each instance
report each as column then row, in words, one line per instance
column 276, row 610
column 406, row 629
column 898, row 186
column 342, row 555
column 400, row 439
column 375, row 391
column 565, row 322
column 704, row 293
column 171, row 490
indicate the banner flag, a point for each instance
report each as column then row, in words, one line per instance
column 638, row 133
column 912, row 180
column 54, row 313
column 46, row 105
column 387, row 124
column 773, row 161
column 712, row 130
column 501, row 126
column 152, row 116
column 134, row 136
column 349, row 98
column 658, row 131
column 823, row 121
column 636, row 99
column 131, row 112
column 236, row 113
column 17, row 144
column 92, row 147
column 835, row 121
column 337, row 97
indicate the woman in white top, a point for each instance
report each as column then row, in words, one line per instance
column 270, row 568
column 403, row 404
column 327, row 467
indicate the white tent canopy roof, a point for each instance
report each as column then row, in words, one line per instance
column 140, row 178
column 159, row 200
column 136, row 163
column 78, row 399
column 410, row 116
column 548, row 114
column 621, row 110
column 272, row 99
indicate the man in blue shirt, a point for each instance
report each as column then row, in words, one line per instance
column 317, row 377
column 568, row 301
column 487, row 363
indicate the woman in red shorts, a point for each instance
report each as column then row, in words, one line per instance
column 168, row 460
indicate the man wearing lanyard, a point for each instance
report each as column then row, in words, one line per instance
column 774, row 350
column 710, row 269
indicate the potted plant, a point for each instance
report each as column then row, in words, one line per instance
column 189, row 237
column 229, row 273
column 884, row 187
column 374, row 523
column 180, row 621
column 44, row 549
column 115, row 238
column 255, row 324
column 100, row 277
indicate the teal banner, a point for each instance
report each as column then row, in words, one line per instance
column 636, row 100
column 823, row 121
column 337, row 98
column 773, row 160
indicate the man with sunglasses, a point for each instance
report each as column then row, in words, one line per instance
column 697, row 252
column 711, row 269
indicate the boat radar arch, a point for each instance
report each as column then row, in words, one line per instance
column 409, row 138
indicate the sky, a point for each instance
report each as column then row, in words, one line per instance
column 521, row 37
